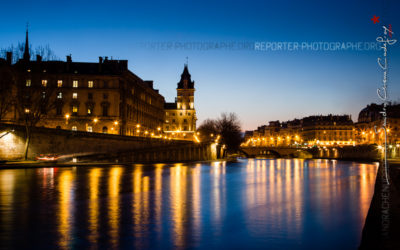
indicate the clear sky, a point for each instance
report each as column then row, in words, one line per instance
column 259, row 85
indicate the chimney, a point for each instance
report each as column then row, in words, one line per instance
column 9, row 58
column 38, row 58
column 149, row 84
column 100, row 62
column 69, row 60
column 106, row 59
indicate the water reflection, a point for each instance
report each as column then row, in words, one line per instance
column 65, row 210
column 282, row 203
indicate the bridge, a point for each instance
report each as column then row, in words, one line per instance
column 360, row 152
column 277, row 152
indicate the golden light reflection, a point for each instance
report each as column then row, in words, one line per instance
column 178, row 201
column 113, row 204
column 65, row 214
column 94, row 176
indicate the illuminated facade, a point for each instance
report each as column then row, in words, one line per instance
column 180, row 116
column 370, row 117
column 313, row 130
column 102, row 97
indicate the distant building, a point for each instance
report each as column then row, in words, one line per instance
column 313, row 130
column 103, row 97
column 370, row 116
column 328, row 130
column 180, row 116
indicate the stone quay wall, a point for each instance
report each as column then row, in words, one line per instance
column 91, row 146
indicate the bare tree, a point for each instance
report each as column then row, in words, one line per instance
column 7, row 90
column 227, row 127
column 33, row 103
column 45, row 52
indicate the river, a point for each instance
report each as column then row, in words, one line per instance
column 249, row 204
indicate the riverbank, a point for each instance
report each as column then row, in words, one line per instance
column 382, row 225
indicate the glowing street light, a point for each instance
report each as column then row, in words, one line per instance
column 116, row 123
column 95, row 120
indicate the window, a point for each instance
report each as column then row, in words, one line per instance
column 74, row 128
column 167, row 128
column 75, row 109
column 90, row 96
column 173, row 120
column 74, row 95
column 184, row 121
column 105, row 110
column 59, row 95
column 191, row 105
column 185, row 128
column 28, row 82
column 89, row 129
column 90, row 84
column 180, row 113
column 189, row 114
column 75, row 83
column 166, row 113
column 59, row 83
column 44, row 83
column 90, row 111
column 105, row 130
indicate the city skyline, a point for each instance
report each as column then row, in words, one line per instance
column 256, row 84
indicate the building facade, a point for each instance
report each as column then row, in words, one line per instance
column 102, row 97
column 370, row 117
column 180, row 116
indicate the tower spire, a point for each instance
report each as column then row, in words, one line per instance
column 26, row 51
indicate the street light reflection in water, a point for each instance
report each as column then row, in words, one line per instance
column 276, row 203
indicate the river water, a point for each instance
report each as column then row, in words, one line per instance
column 250, row 204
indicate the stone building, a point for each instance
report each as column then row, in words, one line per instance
column 180, row 116
column 370, row 116
column 103, row 97
column 328, row 130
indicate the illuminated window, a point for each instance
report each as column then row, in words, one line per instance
column 75, row 83
column 75, row 109
column 44, row 83
column 89, row 129
column 59, row 95
column 28, row 83
column 191, row 105
column 90, row 84
column 59, row 83
column 90, row 111
column 74, row 128
column 74, row 95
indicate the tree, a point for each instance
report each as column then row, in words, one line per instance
column 7, row 88
column 45, row 52
column 33, row 103
column 227, row 127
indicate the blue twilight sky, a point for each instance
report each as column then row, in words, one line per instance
column 258, row 85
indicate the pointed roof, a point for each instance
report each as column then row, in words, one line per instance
column 186, row 78
column 26, row 51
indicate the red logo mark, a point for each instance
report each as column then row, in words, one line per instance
column 375, row 19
